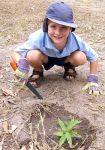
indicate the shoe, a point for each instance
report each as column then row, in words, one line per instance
column 69, row 72
column 36, row 78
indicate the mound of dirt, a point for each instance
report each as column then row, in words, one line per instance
column 45, row 123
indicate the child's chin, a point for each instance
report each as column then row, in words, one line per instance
column 57, row 41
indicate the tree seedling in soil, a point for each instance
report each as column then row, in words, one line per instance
column 67, row 132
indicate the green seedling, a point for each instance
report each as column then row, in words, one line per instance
column 67, row 131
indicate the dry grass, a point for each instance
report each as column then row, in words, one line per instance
column 20, row 18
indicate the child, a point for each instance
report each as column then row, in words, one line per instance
column 56, row 44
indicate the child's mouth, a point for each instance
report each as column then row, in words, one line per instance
column 57, row 37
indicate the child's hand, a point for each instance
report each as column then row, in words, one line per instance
column 22, row 70
column 92, row 85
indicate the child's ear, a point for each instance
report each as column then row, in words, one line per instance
column 70, row 29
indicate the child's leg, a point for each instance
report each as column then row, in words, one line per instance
column 36, row 59
column 77, row 58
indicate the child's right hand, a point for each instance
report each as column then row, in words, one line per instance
column 92, row 85
column 22, row 69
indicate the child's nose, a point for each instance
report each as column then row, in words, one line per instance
column 58, row 31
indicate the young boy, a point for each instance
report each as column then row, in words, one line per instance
column 56, row 44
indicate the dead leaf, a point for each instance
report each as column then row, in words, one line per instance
column 5, row 126
column 13, row 128
column 7, row 92
column 81, row 148
column 1, row 143
column 1, row 76
column 31, row 146
column 23, row 148
column 11, row 101
column 91, row 106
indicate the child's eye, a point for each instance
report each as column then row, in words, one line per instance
column 64, row 27
column 53, row 26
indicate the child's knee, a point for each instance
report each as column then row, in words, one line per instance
column 35, row 56
column 78, row 58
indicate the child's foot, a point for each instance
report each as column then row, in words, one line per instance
column 70, row 72
column 36, row 78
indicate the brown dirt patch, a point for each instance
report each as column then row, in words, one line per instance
column 49, row 126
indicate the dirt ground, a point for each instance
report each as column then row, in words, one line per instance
column 18, row 107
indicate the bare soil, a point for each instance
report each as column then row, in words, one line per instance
column 61, row 99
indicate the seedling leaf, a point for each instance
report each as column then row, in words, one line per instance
column 72, row 123
column 62, row 125
column 62, row 140
column 59, row 133
column 67, row 131
column 69, row 138
column 74, row 134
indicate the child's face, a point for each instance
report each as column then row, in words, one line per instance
column 58, row 33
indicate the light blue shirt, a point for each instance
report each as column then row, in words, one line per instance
column 41, row 41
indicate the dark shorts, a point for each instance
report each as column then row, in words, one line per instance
column 54, row 61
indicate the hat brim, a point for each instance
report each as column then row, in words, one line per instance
column 73, row 25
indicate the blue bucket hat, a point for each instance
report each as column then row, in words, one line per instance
column 60, row 13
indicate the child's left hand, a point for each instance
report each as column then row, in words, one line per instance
column 92, row 85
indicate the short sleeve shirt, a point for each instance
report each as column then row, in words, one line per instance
column 40, row 40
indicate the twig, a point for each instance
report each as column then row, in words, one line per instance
column 21, row 126
column 42, row 120
column 52, row 140
column 35, row 142
column 82, row 142
column 1, row 143
column 47, row 111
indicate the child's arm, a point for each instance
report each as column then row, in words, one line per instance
column 93, row 67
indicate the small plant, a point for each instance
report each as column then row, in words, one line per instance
column 67, row 131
